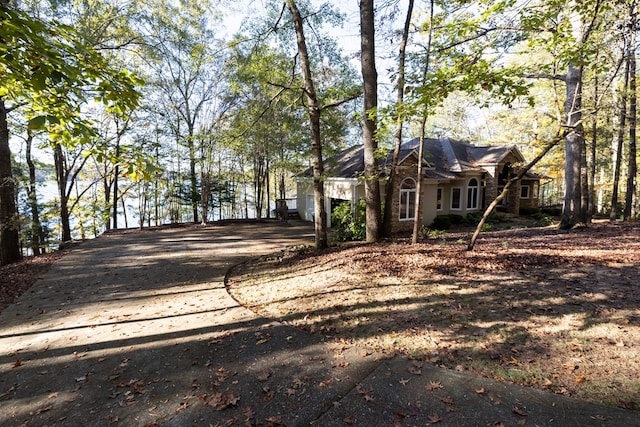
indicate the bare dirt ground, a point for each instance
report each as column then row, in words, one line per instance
column 556, row 310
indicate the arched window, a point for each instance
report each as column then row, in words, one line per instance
column 407, row 199
column 473, row 193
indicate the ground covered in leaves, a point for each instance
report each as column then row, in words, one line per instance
column 18, row 277
column 556, row 310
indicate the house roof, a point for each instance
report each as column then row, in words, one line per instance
column 444, row 158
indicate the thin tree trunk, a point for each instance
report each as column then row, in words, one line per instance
column 555, row 141
column 632, row 169
column 387, row 218
column 116, row 173
column 613, row 214
column 313, row 109
column 9, row 235
column 593, row 152
column 192, row 175
column 370, row 78
column 62, row 177
column 37, row 239
column 417, row 218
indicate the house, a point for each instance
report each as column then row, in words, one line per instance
column 458, row 178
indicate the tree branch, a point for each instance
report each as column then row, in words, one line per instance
column 560, row 135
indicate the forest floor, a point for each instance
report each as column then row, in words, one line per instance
column 16, row 278
column 556, row 310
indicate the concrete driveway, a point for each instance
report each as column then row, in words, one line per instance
column 137, row 329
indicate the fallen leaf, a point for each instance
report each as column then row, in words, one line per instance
column 268, row 394
column 414, row 370
column 349, row 420
column 17, row 363
column 479, row 390
column 45, row 409
column 220, row 401
column 434, row 419
column 403, row 381
column 447, row 400
column 264, row 375
column 581, row 379
column 8, row 392
column 273, row 421
column 433, row 385
column 518, row 410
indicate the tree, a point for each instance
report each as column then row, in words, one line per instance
column 180, row 50
column 370, row 79
column 313, row 110
column 632, row 168
column 48, row 67
column 399, row 118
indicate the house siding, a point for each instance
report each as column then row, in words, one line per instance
column 449, row 165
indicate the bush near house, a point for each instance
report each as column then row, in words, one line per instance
column 345, row 225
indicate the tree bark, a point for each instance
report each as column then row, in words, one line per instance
column 36, row 227
column 313, row 109
column 593, row 151
column 370, row 78
column 387, row 218
column 572, row 209
column 417, row 218
column 62, row 177
column 613, row 213
column 632, row 168
column 9, row 234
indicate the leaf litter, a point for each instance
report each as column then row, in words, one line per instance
column 522, row 308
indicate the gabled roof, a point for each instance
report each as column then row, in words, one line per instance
column 445, row 158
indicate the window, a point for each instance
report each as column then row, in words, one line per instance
column 535, row 191
column 524, row 192
column 439, row 199
column 407, row 199
column 473, row 191
column 456, row 195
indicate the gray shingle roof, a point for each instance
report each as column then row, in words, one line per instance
column 445, row 157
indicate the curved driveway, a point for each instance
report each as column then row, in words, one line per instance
column 137, row 329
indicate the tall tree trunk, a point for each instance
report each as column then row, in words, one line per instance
column 370, row 78
column 417, row 217
column 192, row 176
column 313, row 109
column 593, row 151
column 62, row 177
column 9, row 235
column 387, row 217
column 632, row 169
column 116, row 173
column 617, row 152
column 572, row 209
column 36, row 227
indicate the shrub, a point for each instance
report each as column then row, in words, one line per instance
column 345, row 226
column 441, row 222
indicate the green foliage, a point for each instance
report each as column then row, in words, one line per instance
column 49, row 67
column 345, row 225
